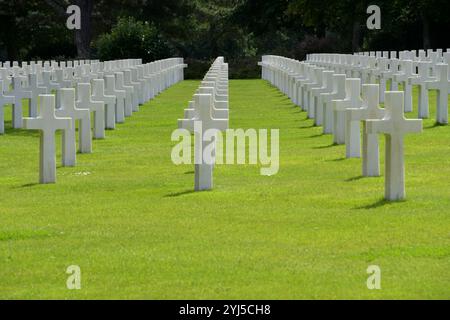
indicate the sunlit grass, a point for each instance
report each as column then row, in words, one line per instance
column 128, row 217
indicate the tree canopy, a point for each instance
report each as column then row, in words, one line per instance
column 199, row 30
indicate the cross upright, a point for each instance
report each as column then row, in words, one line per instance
column 308, row 78
column 420, row 79
column 4, row 76
column 403, row 77
column 19, row 93
column 370, row 110
column 442, row 86
column 120, row 85
column 35, row 90
column 389, row 74
column 141, row 84
column 48, row 83
column 63, row 83
column 110, row 87
column 318, row 83
column 129, row 82
column 382, row 67
column 68, row 109
column 4, row 100
column 394, row 126
column 218, row 113
column 327, row 98
column 327, row 87
column 98, row 95
column 203, row 165
column 84, row 101
column 47, row 122
column 348, row 132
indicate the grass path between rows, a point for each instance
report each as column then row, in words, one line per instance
column 128, row 217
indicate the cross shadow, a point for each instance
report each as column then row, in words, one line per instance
column 307, row 127
column 27, row 185
column 178, row 194
column 354, row 178
column 9, row 130
column 435, row 125
column 189, row 172
column 336, row 160
column 326, row 147
column 379, row 203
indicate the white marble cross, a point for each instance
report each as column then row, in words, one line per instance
column 110, row 88
column 388, row 75
column 98, row 108
column 129, row 82
column 48, row 83
column 318, row 98
column 47, row 122
column 98, row 95
column 35, row 90
column 327, row 98
column 19, row 93
column 216, row 112
column 327, row 87
column 394, row 126
column 63, row 83
column 420, row 79
column 4, row 100
column 317, row 83
column 141, row 84
column 68, row 109
column 403, row 77
column 4, row 76
column 308, row 78
column 204, row 169
column 120, row 85
column 442, row 86
column 370, row 145
column 348, row 132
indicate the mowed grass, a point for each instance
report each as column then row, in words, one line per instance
column 129, row 218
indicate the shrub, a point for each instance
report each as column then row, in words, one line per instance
column 132, row 39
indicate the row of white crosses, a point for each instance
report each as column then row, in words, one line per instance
column 207, row 113
column 110, row 91
column 332, row 97
column 428, row 70
column 130, row 81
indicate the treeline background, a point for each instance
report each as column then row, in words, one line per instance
column 200, row 30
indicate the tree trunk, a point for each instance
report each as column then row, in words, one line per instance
column 426, row 32
column 356, row 38
column 83, row 36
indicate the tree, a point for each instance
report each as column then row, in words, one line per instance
column 131, row 38
column 83, row 35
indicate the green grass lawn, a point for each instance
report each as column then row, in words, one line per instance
column 128, row 217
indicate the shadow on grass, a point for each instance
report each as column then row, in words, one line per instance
column 189, row 172
column 435, row 125
column 9, row 130
column 316, row 135
column 179, row 194
column 378, row 204
column 336, row 160
column 307, row 127
column 326, row 147
column 354, row 178
column 27, row 185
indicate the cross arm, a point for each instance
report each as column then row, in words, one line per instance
column 375, row 126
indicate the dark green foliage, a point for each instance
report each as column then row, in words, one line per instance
column 132, row 39
column 240, row 30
